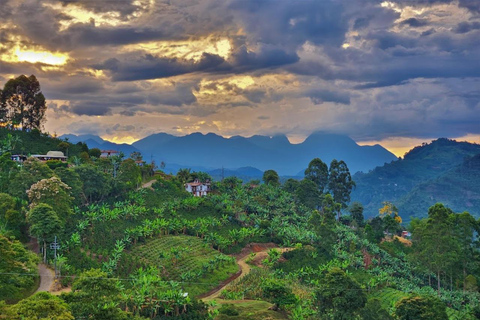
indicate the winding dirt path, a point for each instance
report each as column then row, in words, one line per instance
column 47, row 278
column 147, row 184
column 245, row 269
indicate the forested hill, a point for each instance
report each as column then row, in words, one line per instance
column 458, row 189
column 421, row 167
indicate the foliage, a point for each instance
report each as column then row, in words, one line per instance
column 340, row 183
column 95, row 296
column 31, row 172
column 18, row 269
column 228, row 309
column 96, row 184
column 339, row 296
column 54, row 193
column 317, row 172
column 420, row 308
column 44, row 224
column 41, row 306
column 270, row 177
column 373, row 311
column 12, row 218
column 307, row 193
column 278, row 293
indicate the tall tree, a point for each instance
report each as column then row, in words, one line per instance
column 32, row 171
column 317, row 172
column 44, row 224
column 435, row 242
column 307, row 193
column 339, row 295
column 54, row 193
column 356, row 210
column 466, row 232
column 22, row 103
column 340, row 182
column 96, row 184
column 270, row 177
column 129, row 175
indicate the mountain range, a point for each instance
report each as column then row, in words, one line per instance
column 208, row 152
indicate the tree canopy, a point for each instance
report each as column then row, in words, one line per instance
column 22, row 103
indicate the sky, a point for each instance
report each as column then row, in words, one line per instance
column 397, row 72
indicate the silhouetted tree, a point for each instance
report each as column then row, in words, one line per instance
column 22, row 103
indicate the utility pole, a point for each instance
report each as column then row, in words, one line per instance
column 55, row 246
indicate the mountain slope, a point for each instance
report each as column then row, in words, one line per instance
column 459, row 189
column 395, row 180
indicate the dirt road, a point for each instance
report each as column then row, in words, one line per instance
column 245, row 268
column 47, row 277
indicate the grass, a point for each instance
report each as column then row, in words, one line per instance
column 178, row 256
column 251, row 310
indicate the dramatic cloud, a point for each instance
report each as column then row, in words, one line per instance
column 373, row 69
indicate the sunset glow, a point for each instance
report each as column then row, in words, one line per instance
column 41, row 56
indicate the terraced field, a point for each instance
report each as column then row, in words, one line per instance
column 185, row 259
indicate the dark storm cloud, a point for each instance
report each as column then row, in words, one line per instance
column 90, row 108
column 361, row 23
column 464, row 27
column 293, row 22
column 321, row 96
column 122, row 128
column 472, row 5
column 154, row 67
column 5, row 9
column 181, row 95
column 415, row 23
column 75, row 86
column 90, row 35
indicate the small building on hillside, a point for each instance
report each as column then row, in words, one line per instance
column 51, row 155
column 197, row 188
column 108, row 153
column 18, row 158
column 406, row 234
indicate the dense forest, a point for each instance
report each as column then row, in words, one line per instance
column 133, row 244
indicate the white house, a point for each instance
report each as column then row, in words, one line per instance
column 197, row 188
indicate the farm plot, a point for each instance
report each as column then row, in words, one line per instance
column 185, row 259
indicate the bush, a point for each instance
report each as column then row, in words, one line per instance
column 229, row 310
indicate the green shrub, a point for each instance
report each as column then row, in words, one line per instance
column 229, row 310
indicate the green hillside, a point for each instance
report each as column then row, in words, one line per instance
column 458, row 188
column 395, row 180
